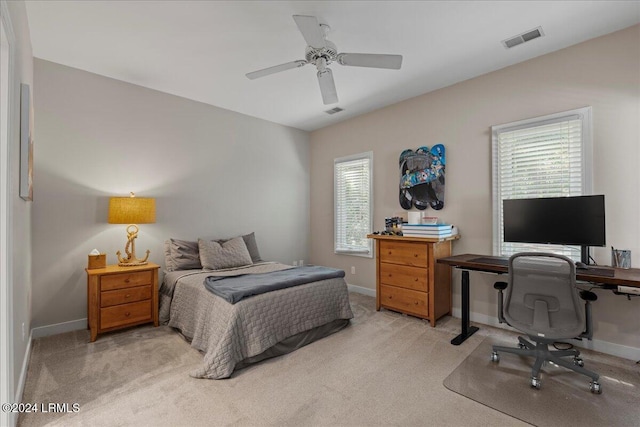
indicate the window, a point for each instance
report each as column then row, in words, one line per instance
column 548, row 156
column 352, row 185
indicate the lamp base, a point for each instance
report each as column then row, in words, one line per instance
column 132, row 264
column 131, row 260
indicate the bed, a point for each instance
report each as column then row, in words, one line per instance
column 255, row 328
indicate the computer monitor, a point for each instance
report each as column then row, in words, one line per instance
column 577, row 220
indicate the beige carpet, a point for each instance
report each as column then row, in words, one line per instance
column 383, row 369
column 564, row 398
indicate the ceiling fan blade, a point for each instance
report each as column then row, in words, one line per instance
column 311, row 30
column 327, row 86
column 393, row 62
column 276, row 69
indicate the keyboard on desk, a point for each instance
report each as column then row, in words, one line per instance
column 589, row 270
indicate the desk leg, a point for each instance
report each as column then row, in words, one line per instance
column 467, row 330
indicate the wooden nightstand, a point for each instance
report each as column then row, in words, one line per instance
column 119, row 297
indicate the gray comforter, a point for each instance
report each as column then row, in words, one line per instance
column 230, row 333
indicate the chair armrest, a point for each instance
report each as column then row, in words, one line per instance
column 586, row 296
column 501, row 286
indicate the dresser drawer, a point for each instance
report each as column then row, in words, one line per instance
column 123, row 296
column 404, row 276
column 125, row 314
column 403, row 253
column 404, row 300
column 125, row 280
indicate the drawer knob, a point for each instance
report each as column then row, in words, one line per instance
column 389, row 252
column 127, row 314
column 129, row 296
column 126, row 280
column 415, row 255
column 416, row 279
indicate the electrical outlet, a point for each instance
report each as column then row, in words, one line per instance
column 295, row 262
column 353, row 269
column 301, row 262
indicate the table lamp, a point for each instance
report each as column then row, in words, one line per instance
column 132, row 210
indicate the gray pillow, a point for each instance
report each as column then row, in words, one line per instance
column 168, row 261
column 184, row 255
column 252, row 247
column 232, row 253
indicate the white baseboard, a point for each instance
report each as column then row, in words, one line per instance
column 23, row 371
column 605, row 347
column 360, row 290
column 59, row 328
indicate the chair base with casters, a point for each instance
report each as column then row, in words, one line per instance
column 540, row 350
column 538, row 347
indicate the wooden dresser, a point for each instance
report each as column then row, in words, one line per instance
column 119, row 297
column 408, row 279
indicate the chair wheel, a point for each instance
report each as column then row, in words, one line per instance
column 522, row 346
column 536, row 383
column 595, row 387
column 495, row 357
column 578, row 361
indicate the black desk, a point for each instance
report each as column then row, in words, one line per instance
column 469, row 262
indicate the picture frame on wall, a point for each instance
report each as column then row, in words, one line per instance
column 26, row 143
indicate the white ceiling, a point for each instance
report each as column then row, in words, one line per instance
column 202, row 50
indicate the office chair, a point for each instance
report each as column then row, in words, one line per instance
column 542, row 301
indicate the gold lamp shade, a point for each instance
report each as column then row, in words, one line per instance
column 132, row 210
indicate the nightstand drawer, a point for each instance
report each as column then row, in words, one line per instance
column 125, row 280
column 125, row 314
column 404, row 300
column 404, row 276
column 403, row 253
column 123, row 296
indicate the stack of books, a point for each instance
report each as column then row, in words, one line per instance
column 434, row 231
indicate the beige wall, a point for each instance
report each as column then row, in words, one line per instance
column 213, row 172
column 19, row 210
column 603, row 73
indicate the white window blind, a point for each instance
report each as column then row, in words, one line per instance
column 353, row 204
column 543, row 157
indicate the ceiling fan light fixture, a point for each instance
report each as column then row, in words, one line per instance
column 321, row 52
column 321, row 65
column 328, row 52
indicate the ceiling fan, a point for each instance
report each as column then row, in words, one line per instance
column 321, row 52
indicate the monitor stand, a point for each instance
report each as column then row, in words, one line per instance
column 584, row 254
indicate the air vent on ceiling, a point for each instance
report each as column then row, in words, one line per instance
column 522, row 38
column 334, row 110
